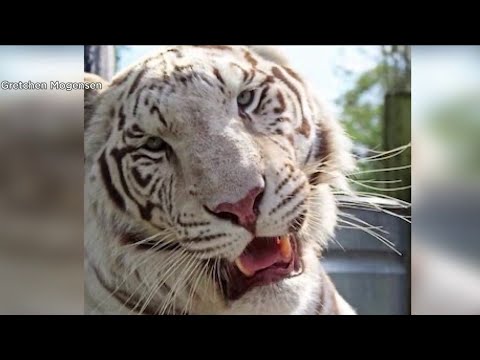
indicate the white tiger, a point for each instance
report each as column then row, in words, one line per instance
column 208, row 187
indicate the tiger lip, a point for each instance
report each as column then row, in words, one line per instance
column 265, row 261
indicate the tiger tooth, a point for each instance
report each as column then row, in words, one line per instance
column 285, row 247
column 242, row 268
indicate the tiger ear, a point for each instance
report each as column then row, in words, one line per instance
column 270, row 53
column 91, row 96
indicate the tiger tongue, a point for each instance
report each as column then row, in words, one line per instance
column 262, row 253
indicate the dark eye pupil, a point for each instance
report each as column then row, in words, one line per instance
column 154, row 143
column 245, row 98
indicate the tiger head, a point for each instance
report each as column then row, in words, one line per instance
column 209, row 182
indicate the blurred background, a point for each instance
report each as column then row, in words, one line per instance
column 368, row 89
column 41, row 183
column 446, row 180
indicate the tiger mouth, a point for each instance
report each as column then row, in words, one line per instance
column 265, row 261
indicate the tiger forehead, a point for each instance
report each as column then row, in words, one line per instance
column 220, row 66
column 209, row 77
column 171, row 64
column 238, row 54
column 203, row 58
column 225, row 67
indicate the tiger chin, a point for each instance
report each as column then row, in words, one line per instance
column 209, row 177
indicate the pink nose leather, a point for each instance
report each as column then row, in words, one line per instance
column 244, row 209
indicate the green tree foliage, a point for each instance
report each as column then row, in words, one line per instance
column 362, row 109
column 363, row 105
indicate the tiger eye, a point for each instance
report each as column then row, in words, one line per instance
column 245, row 98
column 154, row 143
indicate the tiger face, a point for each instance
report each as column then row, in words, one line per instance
column 209, row 183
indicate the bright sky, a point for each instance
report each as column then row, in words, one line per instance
column 41, row 63
column 442, row 73
column 318, row 64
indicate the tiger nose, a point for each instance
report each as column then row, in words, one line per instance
column 244, row 212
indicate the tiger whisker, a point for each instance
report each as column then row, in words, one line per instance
column 186, row 274
column 381, row 189
column 176, row 260
column 118, row 287
column 145, row 283
column 184, row 255
column 152, row 290
column 394, row 168
column 353, row 217
column 189, row 303
column 375, row 235
column 383, row 155
column 181, row 281
column 386, row 152
column 373, row 181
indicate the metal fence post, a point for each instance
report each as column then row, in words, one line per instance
column 100, row 60
column 396, row 133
